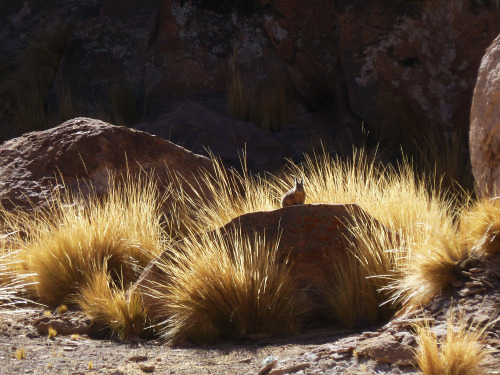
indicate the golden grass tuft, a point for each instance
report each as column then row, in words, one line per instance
column 107, row 305
column 357, row 293
column 52, row 333
column 63, row 246
column 481, row 227
column 227, row 285
column 421, row 263
column 411, row 270
column 61, row 309
column 460, row 353
column 20, row 353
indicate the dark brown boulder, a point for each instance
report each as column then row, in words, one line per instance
column 83, row 151
column 199, row 127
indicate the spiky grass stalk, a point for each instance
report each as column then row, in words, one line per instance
column 461, row 352
column 227, row 285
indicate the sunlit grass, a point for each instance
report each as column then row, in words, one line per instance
column 461, row 352
column 226, row 285
column 64, row 245
column 106, row 303
column 404, row 250
column 481, row 227
column 413, row 270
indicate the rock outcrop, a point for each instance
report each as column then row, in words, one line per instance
column 312, row 237
column 393, row 65
column 484, row 138
column 82, row 152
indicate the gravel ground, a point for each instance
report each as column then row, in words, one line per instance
column 310, row 353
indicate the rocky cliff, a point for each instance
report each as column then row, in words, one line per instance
column 393, row 65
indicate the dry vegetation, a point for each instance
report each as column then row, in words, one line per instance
column 87, row 253
column 460, row 352
column 269, row 107
column 219, row 286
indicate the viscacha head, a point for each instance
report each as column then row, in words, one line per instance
column 299, row 184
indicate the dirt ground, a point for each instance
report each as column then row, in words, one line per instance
column 313, row 352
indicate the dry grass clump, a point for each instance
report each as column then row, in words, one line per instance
column 412, row 270
column 357, row 292
column 422, row 262
column 226, row 285
column 52, row 333
column 270, row 108
column 481, row 227
column 106, row 303
column 460, row 353
column 66, row 244
column 13, row 283
column 20, row 353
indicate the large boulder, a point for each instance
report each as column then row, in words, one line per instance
column 312, row 237
column 82, row 152
column 485, row 124
column 203, row 128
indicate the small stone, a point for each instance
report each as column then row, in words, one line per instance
column 246, row 360
column 487, row 283
column 468, row 292
column 340, row 356
column 289, row 370
column 267, row 368
column 476, row 270
column 147, row 368
column 386, row 348
column 474, row 284
column 138, row 358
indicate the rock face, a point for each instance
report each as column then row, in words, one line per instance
column 484, row 138
column 311, row 236
column 413, row 63
column 83, row 151
column 394, row 65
